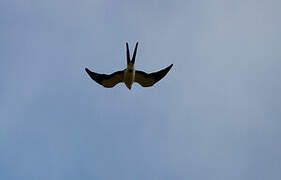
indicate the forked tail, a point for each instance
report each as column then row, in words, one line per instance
column 128, row 53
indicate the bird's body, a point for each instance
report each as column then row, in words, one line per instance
column 129, row 75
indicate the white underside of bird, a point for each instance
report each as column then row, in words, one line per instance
column 129, row 75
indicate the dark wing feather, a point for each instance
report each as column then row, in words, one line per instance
column 105, row 80
column 146, row 80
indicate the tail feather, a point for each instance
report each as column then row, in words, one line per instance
column 135, row 52
column 128, row 53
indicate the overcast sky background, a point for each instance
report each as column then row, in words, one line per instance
column 216, row 115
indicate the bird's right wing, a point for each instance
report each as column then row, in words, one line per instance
column 105, row 80
column 147, row 80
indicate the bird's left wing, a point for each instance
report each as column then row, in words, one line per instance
column 105, row 80
column 147, row 80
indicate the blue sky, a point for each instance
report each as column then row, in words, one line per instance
column 216, row 115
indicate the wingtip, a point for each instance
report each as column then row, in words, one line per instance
column 169, row 67
column 88, row 71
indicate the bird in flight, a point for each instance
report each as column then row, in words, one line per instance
column 129, row 75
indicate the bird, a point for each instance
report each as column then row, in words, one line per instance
column 129, row 75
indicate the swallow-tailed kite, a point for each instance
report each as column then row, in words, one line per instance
column 129, row 75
